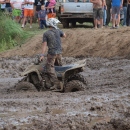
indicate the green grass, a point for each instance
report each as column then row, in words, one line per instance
column 11, row 33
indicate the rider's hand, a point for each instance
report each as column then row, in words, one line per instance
column 41, row 58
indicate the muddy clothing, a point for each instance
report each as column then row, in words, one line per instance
column 97, row 9
column 51, row 69
column 52, row 37
column 98, row 13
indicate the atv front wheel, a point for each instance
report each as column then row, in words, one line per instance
column 73, row 86
column 25, row 86
column 80, row 78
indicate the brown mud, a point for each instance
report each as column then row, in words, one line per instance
column 104, row 105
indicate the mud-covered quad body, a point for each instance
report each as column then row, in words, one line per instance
column 36, row 78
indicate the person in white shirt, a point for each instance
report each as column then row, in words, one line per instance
column 16, row 7
column 28, row 11
column 3, row 4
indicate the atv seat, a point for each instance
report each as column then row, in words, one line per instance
column 63, row 68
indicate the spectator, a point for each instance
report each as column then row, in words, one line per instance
column 108, row 6
column 116, row 5
column 8, row 7
column 98, row 12
column 28, row 11
column 22, row 14
column 16, row 6
column 128, row 14
column 124, row 11
column 51, row 5
column 38, row 4
column 42, row 17
column 2, row 2
column 50, row 14
column 104, row 13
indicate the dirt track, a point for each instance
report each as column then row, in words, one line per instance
column 105, row 105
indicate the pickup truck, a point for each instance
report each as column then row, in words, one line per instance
column 72, row 11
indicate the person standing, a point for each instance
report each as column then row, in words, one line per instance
column 8, row 7
column 108, row 6
column 28, row 11
column 3, row 4
column 116, row 5
column 98, row 12
column 38, row 4
column 128, row 14
column 16, row 6
column 104, row 13
column 124, row 12
column 42, row 17
column 51, row 38
column 50, row 13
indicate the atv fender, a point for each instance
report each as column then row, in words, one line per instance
column 32, row 69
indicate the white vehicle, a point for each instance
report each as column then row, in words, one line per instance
column 72, row 11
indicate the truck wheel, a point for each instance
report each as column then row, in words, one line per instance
column 65, row 23
column 73, row 86
column 25, row 86
column 73, row 24
column 80, row 78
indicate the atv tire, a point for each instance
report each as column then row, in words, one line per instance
column 80, row 78
column 25, row 86
column 73, row 86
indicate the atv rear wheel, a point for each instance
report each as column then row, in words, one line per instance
column 73, row 86
column 25, row 86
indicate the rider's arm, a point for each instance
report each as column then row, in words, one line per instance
column 44, row 45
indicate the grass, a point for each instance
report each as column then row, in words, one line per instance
column 11, row 33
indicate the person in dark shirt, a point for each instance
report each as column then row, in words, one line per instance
column 38, row 4
column 128, row 14
column 8, row 7
column 108, row 5
column 124, row 11
column 51, row 38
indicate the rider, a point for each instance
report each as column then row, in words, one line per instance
column 51, row 38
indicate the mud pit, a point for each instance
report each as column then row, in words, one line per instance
column 104, row 105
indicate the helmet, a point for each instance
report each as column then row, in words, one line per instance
column 52, row 22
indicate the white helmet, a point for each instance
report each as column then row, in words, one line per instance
column 52, row 22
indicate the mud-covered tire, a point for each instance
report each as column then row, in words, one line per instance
column 73, row 86
column 25, row 86
column 65, row 23
column 80, row 78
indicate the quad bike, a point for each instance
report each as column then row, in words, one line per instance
column 36, row 78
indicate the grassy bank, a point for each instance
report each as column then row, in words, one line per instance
column 11, row 33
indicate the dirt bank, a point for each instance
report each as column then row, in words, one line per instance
column 83, row 42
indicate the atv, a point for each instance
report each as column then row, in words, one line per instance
column 36, row 78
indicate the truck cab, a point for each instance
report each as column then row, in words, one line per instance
column 72, row 11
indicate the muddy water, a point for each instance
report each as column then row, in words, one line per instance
column 104, row 105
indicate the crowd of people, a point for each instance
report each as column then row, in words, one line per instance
column 105, row 11
column 22, row 10
column 111, row 10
